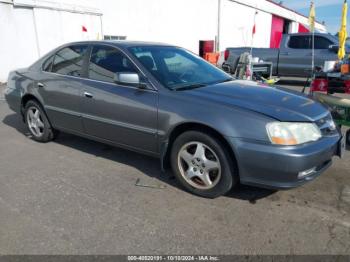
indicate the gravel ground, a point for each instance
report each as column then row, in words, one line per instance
column 75, row 196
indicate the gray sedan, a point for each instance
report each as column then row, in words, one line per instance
column 166, row 102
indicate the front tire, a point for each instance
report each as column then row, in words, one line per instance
column 348, row 137
column 37, row 122
column 202, row 165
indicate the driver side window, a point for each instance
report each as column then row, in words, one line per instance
column 106, row 61
column 322, row 43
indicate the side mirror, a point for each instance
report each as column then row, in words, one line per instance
column 334, row 48
column 129, row 79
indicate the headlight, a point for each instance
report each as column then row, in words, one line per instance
column 285, row 133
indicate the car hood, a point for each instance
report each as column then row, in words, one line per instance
column 275, row 102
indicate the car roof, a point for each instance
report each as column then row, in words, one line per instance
column 308, row 34
column 121, row 43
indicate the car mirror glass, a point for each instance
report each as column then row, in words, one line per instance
column 127, row 78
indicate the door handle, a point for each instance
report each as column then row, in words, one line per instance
column 88, row 95
column 285, row 53
column 40, row 85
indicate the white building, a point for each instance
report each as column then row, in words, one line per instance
column 30, row 28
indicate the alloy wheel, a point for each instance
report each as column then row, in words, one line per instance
column 199, row 165
column 35, row 121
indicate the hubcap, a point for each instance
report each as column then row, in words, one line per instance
column 199, row 165
column 35, row 122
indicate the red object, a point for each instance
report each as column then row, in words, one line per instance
column 206, row 47
column 248, row 72
column 254, row 29
column 276, row 31
column 319, row 85
column 347, row 86
column 303, row 29
column 227, row 54
column 84, row 29
column 212, row 58
column 345, row 69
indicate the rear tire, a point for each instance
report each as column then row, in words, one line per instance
column 38, row 123
column 348, row 137
column 202, row 165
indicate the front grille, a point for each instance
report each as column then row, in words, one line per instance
column 327, row 125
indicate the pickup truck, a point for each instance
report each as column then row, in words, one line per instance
column 293, row 58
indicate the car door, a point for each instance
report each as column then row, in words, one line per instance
column 60, row 87
column 323, row 52
column 124, row 115
column 296, row 56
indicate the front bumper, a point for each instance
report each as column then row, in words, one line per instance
column 278, row 167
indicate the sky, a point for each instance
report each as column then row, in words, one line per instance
column 326, row 10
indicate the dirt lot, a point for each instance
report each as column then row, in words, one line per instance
column 74, row 196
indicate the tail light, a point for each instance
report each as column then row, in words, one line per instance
column 227, row 54
column 320, row 85
column 347, row 86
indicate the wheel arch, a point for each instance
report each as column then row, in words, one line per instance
column 192, row 126
column 25, row 99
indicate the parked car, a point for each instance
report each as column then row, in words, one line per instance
column 293, row 58
column 166, row 102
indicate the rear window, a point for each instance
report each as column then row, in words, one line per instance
column 69, row 60
column 47, row 65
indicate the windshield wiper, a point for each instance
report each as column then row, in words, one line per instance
column 226, row 80
column 188, row 87
column 198, row 85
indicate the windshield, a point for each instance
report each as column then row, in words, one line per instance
column 177, row 68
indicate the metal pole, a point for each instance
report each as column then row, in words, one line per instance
column 253, row 34
column 218, row 29
column 101, row 24
column 251, row 47
column 36, row 32
column 313, row 54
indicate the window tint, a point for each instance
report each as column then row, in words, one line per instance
column 322, row 43
column 69, row 60
column 177, row 68
column 147, row 60
column 106, row 61
column 300, row 42
column 178, row 63
column 47, row 64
